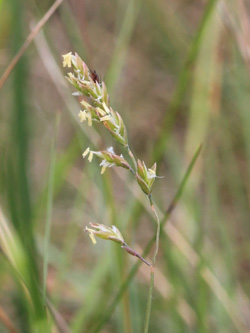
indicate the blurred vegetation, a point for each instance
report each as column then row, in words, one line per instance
column 178, row 72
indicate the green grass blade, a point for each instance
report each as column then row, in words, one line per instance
column 49, row 207
column 126, row 30
column 183, row 184
column 182, row 84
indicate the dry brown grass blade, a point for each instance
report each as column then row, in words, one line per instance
column 238, row 22
column 7, row 321
column 208, row 276
column 28, row 40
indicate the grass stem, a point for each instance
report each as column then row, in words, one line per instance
column 152, row 274
column 132, row 157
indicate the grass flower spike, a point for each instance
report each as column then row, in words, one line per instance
column 109, row 158
column 97, row 109
column 113, row 234
column 102, row 231
column 100, row 111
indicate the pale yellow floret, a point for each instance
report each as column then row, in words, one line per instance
column 90, row 158
column 106, row 108
column 102, row 113
column 67, row 59
column 88, row 116
column 82, row 116
column 85, row 104
column 91, row 235
column 85, row 153
column 103, row 170
column 105, row 118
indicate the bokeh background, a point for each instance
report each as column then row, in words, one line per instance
column 179, row 74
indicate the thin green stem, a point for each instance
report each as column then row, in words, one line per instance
column 157, row 241
column 132, row 170
column 149, row 302
column 152, row 274
column 134, row 253
column 132, row 156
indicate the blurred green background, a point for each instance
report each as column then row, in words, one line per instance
column 179, row 74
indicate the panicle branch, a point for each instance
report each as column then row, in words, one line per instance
column 97, row 109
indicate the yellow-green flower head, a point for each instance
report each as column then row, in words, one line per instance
column 145, row 177
column 99, row 110
column 104, row 232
